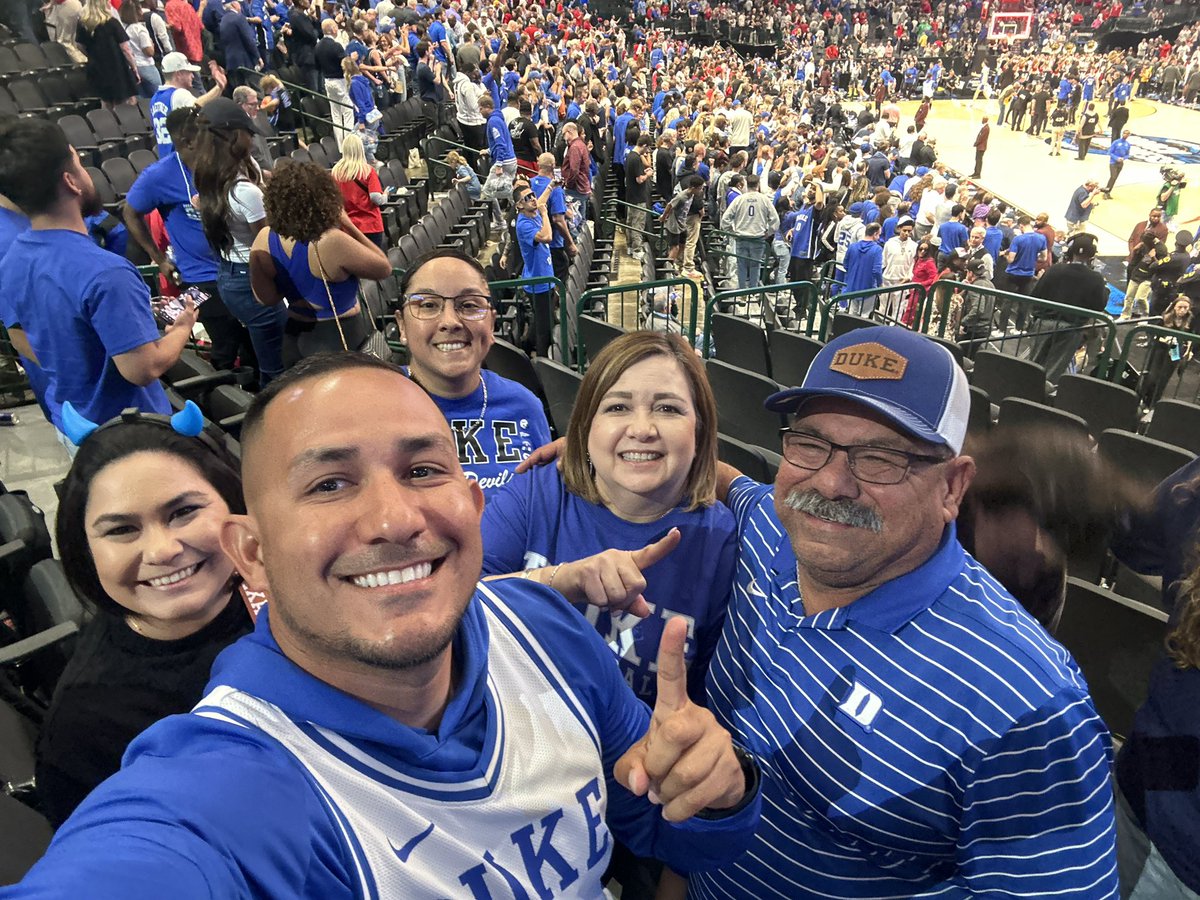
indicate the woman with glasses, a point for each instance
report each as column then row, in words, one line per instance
column 446, row 318
column 629, row 529
column 313, row 255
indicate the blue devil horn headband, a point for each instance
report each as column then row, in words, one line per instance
column 189, row 421
column 75, row 426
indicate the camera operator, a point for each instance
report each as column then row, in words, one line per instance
column 1168, row 195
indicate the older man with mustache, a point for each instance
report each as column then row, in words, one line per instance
column 919, row 733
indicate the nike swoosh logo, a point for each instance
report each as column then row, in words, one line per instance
column 404, row 852
column 754, row 590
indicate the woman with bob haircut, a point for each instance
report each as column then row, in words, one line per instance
column 313, row 255
column 629, row 530
column 138, row 530
column 636, row 492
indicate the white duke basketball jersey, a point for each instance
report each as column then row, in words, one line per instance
column 531, row 827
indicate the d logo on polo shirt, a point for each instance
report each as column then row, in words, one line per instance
column 869, row 362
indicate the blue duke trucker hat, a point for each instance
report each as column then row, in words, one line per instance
column 913, row 381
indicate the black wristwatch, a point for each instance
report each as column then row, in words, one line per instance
column 752, row 774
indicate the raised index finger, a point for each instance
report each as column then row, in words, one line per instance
column 652, row 553
column 672, row 671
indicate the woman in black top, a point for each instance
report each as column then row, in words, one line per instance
column 138, row 529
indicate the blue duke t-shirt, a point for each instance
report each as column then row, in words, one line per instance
column 556, row 204
column 492, row 442
column 168, row 186
column 80, row 306
column 1025, row 248
column 536, row 255
column 536, row 522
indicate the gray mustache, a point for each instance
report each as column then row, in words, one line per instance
column 842, row 512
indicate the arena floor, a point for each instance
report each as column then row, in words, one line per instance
column 1018, row 167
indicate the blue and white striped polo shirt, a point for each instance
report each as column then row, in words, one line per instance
column 928, row 740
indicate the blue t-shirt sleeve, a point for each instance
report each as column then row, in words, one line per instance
column 621, row 720
column 143, row 195
column 505, row 526
column 236, row 817
column 558, row 202
column 117, row 303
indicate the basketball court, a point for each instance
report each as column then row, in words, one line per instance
column 1018, row 168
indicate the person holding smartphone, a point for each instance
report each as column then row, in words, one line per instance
column 535, row 235
column 169, row 186
column 80, row 314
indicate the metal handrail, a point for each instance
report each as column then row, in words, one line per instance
column 591, row 295
column 845, row 297
column 297, row 87
column 1114, row 373
column 943, row 290
column 716, row 300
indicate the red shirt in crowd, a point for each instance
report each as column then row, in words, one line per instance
column 365, row 215
column 185, row 29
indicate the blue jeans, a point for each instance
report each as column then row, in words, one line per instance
column 151, row 81
column 265, row 323
column 749, row 261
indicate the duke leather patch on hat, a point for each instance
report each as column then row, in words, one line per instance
column 869, row 362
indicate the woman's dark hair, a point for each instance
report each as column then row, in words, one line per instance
column 130, row 13
column 222, row 159
column 109, row 445
column 439, row 253
column 302, row 201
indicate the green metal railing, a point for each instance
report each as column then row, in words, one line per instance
column 1156, row 366
column 804, row 289
column 590, row 299
column 1017, row 324
column 878, row 295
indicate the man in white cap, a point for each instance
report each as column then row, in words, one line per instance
column 176, row 93
column 921, row 734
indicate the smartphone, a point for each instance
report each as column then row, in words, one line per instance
column 557, row 176
column 172, row 307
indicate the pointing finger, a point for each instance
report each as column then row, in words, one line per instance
column 672, row 671
column 652, row 553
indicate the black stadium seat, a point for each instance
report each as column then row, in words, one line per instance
column 512, row 363
column 1176, row 422
column 1142, row 457
column 1116, row 642
column 746, row 458
column 740, row 395
column 1003, row 376
column 741, row 343
column 1102, row 404
column 121, row 174
column 791, row 355
column 560, row 385
column 595, row 335
column 141, row 159
column 1016, row 412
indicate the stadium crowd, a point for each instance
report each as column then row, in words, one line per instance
column 468, row 679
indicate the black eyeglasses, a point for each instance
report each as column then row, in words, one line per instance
column 874, row 465
column 470, row 306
